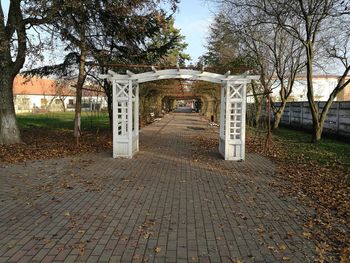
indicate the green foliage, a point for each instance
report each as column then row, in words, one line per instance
column 224, row 50
column 167, row 46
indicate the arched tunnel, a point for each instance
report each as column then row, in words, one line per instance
column 160, row 97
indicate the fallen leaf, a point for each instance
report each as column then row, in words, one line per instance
column 157, row 249
column 307, row 234
column 282, row 247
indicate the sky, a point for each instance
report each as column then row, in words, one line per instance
column 193, row 18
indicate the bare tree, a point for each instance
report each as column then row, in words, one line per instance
column 288, row 61
column 309, row 22
column 254, row 42
column 61, row 92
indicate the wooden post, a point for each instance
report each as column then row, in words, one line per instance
column 115, row 120
column 243, row 119
column 136, row 113
column 227, row 120
column 130, row 121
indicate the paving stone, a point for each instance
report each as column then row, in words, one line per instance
column 194, row 206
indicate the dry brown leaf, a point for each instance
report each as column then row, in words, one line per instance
column 307, row 234
column 137, row 257
column 282, row 247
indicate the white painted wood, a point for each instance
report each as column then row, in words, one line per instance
column 228, row 149
column 234, row 130
column 136, row 115
column 243, row 121
column 115, row 121
column 126, row 108
column 175, row 73
column 130, row 121
column 222, row 121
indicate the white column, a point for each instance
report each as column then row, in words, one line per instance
column 235, row 103
column 122, row 121
column 222, row 120
column 115, row 120
column 130, row 119
column 136, row 115
column 228, row 146
column 243, row 121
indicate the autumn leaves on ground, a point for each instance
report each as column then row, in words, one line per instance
column 318, row 174
column 47, row 136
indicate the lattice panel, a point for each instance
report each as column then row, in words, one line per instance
column 122, row 90
column 236, row 91
column 122, row 118
column 235, row 120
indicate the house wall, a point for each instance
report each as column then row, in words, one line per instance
column 344, row 95
column 33, row 103
column 322, row 89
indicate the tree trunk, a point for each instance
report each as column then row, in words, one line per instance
column 317, row 130
column 257, row 102
column 257, row 112
column 108, row 89
column 63, row 105
column 279, row 114
column 79, row 88
column 317, row 133
column 110, row 110
column 9, row 131
column 78, row 97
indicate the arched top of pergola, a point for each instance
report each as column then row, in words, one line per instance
column 188, row 74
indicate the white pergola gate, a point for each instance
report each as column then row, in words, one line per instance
column 126, row 108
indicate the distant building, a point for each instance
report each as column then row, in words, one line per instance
column 40, row 95
column 323, row 86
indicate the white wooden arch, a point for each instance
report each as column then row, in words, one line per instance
column 126, row 108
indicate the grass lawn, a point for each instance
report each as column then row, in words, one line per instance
column 63, row 120
column 327, row 151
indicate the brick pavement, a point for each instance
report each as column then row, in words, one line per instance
column 165, row 205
